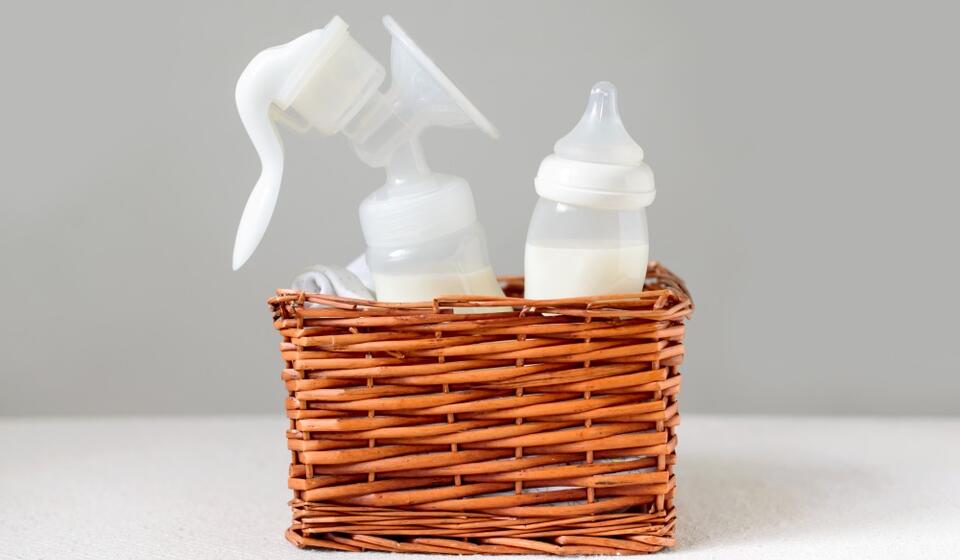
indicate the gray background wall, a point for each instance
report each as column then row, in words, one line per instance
column 805, row 155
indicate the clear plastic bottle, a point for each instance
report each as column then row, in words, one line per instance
column 588, row 234
column 427, row 242
column 577, row 250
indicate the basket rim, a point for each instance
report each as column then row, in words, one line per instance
column 671, row 296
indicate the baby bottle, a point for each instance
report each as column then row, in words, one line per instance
column 588, row 233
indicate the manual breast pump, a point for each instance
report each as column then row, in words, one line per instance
column 420, row 227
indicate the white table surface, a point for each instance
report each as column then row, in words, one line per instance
column 215, row 487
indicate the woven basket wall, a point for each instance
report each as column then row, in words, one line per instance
column 549, row 429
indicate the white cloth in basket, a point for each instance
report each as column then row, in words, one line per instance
column 334, row 281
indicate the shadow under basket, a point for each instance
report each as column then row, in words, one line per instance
column 525, row 426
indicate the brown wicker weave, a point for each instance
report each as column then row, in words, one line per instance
column 549, row 429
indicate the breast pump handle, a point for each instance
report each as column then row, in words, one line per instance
column 264, row 90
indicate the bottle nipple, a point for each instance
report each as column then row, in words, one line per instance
column 600, row 136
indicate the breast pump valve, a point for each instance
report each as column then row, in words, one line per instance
column 421, row 229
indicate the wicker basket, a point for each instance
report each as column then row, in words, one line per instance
column 548, row 429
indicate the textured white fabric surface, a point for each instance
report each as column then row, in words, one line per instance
column 331, row 280
column 215, row 487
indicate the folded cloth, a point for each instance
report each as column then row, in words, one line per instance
column 332, row 280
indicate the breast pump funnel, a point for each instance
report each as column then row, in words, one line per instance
column 326, row 81
column 420, row 96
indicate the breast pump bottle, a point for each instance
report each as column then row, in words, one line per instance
column 423, row 238
column 588, row 233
